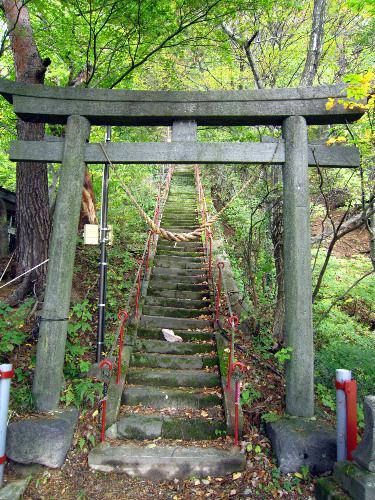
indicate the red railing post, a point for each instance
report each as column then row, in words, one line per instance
column 210, row 256
column 155, row 222
column 237, row 399
column 220, row 265
column 149, row 232
column 233, row 321
column 121, row 315
column 141, row 261
column 105, row 388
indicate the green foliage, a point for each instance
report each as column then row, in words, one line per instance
column 249, row 394
column 282, row 355
column 79, row 319
column 11, row 327
column 79, row 389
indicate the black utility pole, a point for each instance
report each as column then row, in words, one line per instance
column 103, row 254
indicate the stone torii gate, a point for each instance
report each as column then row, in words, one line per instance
column 291, row 108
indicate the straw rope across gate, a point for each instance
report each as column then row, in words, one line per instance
column 197, row 233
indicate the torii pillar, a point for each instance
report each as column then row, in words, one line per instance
column 297, row 256
column 55, row 312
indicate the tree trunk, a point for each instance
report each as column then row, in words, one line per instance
column 316, row 43
column 88, row 210
column 33, row 224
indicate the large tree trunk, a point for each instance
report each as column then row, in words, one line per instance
column 88, row 210
column 33, row 223
column 316, row 43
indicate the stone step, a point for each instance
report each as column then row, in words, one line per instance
column 182, row 244
column 180, row 253
column 180, row 217
column 172, row 361
column 157, row 397
column 174, row 323
column 175, row 273
column 164, row 347
column 165, row 462
column 179, row 221
column 178, row 249
column 146, row 333
column 189, row 280
column 159, row 285
column 180, row 227
column 176, row 294
column 156, row 426
column 181, row 206
column 175, row 312
column 176, row 302
column 179, row 262
column 161, row 377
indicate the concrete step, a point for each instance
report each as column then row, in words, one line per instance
column 164, row 347
column 172, row 361
column 180, row 253
column 175, row 312
column 157, row 285
column 180, row 244
column 176, row 294
column 176, row 302
column 174, row 323
column 179, row 262
column 162, row 377
column 175, row 273
column 189, row 280
column 180, row 228
column 163, row 462
column 154, row 426
column 163, row 397
column 180, row 218
column 178, row 249
column 146, row 333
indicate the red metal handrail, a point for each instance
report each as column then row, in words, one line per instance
column 121, row 315
column 233, row 321
column 237, row 400
column 141, row 261
column 220, row 265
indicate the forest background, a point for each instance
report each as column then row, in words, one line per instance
column 213, row 45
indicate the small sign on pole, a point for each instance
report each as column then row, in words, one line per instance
column 91, row 234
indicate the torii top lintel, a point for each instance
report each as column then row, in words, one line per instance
column 50, row 104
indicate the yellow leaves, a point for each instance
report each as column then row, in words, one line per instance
column 237, row 475
column 366, row 79
column 337, row 140
column 299, row 475
column 330, row 103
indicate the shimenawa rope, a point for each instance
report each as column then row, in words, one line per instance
column 197, row 233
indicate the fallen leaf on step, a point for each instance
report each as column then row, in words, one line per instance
column 170, row 336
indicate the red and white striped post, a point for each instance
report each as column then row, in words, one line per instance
column 346, row 404
column 6, row 373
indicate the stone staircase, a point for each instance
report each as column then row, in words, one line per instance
column 173, row 390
